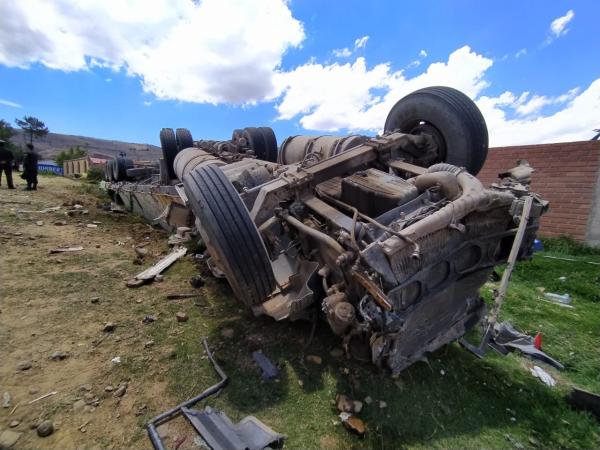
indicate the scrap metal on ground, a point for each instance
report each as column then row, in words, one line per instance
column 388, row 238
column 214, row 427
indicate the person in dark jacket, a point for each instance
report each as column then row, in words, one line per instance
column 30, row 169
column 6, row 164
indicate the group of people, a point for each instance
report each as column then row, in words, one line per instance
column 30, row 166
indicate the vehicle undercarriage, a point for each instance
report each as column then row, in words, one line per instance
column 388, row 238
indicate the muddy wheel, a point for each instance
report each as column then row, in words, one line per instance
column 168, row 143
column 452, row 118
column 230, row 235
column 183, row 138
column 270, row 144
column 256, row 141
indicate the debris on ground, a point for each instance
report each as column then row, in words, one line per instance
column 269, row 370
column 544, row 376
column 116, row 360
column 149, row 319
column 353, row 423
column 46, row 428
column 344, row 403
column 120, row 392
column 507, row 339
column 58, row 356
column 6, row 400
column 558, row 298
column 197, row 281
column 141, row 252
column 95, row 300
column 24, row 365
column 109, row 327
column 183, row 295
column 14, row 423
column 149, row 274
column 183, row 234
column 76, row 248
column 49, row 394
column 585, row 400
column 181, row 316
column 382, row 404
column 562, row 258
column 314, row 359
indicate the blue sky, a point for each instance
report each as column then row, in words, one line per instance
column 124, row 69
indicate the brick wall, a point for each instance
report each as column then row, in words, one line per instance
column 566, row 174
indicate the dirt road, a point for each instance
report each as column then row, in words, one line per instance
column 53, row 310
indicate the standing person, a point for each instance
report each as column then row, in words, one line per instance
column 30, row 169
column 6, row 164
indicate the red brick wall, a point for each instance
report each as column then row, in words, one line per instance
column 565, row 174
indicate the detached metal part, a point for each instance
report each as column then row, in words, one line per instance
column 213, row 426
column 220, row 433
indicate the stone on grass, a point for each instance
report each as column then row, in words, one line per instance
column 109, row 327
column 181, row 316
column 14, row 424
column 46, row 428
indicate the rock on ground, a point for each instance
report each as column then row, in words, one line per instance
column 8, row 438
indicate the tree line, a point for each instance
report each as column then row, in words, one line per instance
column 34, row 127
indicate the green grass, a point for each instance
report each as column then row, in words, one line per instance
column 491, row 403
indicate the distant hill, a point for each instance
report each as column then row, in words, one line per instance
column 53, row 143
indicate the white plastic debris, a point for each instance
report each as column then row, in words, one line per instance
column 540, row 373
column 116, row 360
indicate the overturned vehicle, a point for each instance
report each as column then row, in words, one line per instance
column 388, row 238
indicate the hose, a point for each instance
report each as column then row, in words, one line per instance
column 316, row 234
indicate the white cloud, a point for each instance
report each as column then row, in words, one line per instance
column 147, row 103
column 342, row 52
column 521, row 52
column 346, row 52
column 354, row 97
column 211, row 51
column 423, row 54
column 9, row 103
column 361, row 42
column 558, row 27
column 108, row 80
column 335, row 97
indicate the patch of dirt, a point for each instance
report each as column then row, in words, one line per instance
column 46, row 306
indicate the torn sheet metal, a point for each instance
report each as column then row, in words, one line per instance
column 507, row 338
column 220, row 433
